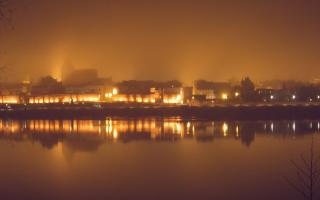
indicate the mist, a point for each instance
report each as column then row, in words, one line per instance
column 186, row 40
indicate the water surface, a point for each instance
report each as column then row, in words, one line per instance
column 153, row 158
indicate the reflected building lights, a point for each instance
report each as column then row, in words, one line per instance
column 188, row 127
column 294, row 126
column 154, row 129
column 115, row 134
column 193, row 130
column 237, row 131
column 225, row 129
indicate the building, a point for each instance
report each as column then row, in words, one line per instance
column 63, row 98
column 265, row 94
column 85, row 82
column 172, row 95
column 134, row 91
column 149, row 92
column 283, row 95
column 212, row 90
column 187, row 94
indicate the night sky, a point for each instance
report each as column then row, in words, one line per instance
column 168, row 39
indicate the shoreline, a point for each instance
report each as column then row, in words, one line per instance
column 101, row 111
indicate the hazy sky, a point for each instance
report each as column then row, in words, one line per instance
column 165, row 39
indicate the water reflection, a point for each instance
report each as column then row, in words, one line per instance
column 88, row 135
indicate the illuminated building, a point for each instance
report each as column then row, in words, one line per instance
column 64, row 98
column 187, row 94
column 9, row 99
column 172, row 95
column 224, row 96
column 211, row 90
column 135, row 98
column 148, row 92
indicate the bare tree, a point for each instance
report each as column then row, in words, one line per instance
column 308, row 174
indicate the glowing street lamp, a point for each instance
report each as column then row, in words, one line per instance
column 271, row 97
column 224, row 96
column 115, row 91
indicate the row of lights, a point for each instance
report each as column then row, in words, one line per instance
column 294, row 97
column 225, row 96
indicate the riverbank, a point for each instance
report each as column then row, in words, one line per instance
column 101, row 111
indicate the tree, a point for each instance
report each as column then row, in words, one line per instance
column 247, row 89
column 308, row 174
column 47, row 85
column 47, row 81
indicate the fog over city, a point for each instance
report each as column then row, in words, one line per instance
column 163, row 40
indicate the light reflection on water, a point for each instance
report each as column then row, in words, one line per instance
column 151, row 129
column 150, row 156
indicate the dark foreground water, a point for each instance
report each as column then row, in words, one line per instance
column 152, row 158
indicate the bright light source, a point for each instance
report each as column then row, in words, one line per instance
column 294, row 126
column 152, row 90
column 108, row 95
column 271, row 97
column 115, row 134
column 115, row 91
column 237, row 131
column 236, row 94
column 224, row 96
column 225, row 129
column 188, row 125
column 293, row 97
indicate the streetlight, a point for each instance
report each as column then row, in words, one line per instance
column 224, row 96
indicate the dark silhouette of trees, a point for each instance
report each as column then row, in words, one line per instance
column 247, row 134
column 47, row 81
column 247, row 90
column 308, row 174
column 47, row 85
